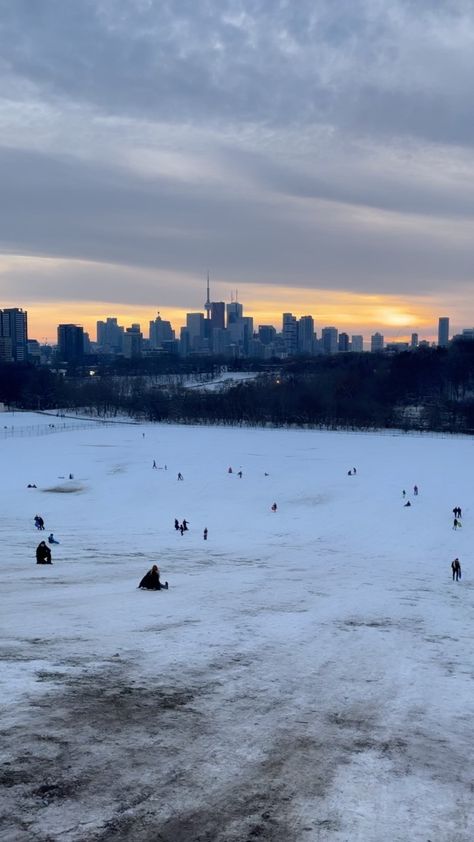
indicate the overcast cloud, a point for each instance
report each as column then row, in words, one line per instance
column 325, row 144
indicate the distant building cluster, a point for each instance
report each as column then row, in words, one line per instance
column 221, row 330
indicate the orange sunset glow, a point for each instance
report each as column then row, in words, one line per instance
column 351, row 312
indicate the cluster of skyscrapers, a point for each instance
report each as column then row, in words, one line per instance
column 221, row 330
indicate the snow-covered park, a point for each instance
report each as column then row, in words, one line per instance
column 308, row 675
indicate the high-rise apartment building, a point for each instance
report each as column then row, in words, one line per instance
column 377, row 342
column 306, row 335
column 14, row 329
column 443, row 332
column 329, row 340
column 357, row 343
column 71, row 343
column 290, row 333
column 343, row 342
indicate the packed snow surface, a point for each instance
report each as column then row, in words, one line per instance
column 307, row 676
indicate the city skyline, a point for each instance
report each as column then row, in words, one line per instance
column 316, row 156
column 395, row 327
column 149, row 316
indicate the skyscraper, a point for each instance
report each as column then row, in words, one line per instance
column 71, row 343
column 343, row 343
column 218, row 315
column 14, row 327
column 443, row 332
column 290, row 333
column 160, row 331
column 329, row 340
column 376, row 342
column 235, row 312
column 306, row 335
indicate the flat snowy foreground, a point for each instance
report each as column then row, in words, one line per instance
column 307, row 676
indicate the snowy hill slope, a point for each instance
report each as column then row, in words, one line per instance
column 308, row 675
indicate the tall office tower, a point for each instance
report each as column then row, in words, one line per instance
column 14, row 326
column 266, row 334
column 71, row 343
column 290, row 333
column 357, row 343
column 248, row 333
column 217, row 315
column 234, row 311
column 443, row 332
column 160, row 331
column 377, row 342
column 196, row 330
column 132, row 342
column 343, row 342
column 414, row 341
column 306, row 335
column 110, row 336
column 329, row 340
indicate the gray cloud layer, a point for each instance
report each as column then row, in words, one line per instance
column 314, row 143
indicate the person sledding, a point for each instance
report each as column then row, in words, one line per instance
column 43, row 553
column 151, row 580
column 52, row 539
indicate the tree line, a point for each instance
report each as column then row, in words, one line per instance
column 426, row 389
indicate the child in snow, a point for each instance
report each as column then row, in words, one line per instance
column 52, row 539
column 274, row 507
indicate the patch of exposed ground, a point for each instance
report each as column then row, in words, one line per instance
column 113, row 754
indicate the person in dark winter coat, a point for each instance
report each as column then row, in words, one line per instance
column 204, row 534
column 185, row 524
column 43, row 553
column 456, row 568
column 176, row 524
column 52, row 539
column 415, row 490
column 274, row 507
column 151, row 580
column 407, row 504
column 39, row 522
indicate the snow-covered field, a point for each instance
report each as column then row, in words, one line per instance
column 307, row 676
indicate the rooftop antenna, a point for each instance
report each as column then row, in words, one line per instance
column 207, row 305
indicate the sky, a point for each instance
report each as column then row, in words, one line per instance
column 315, row 156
